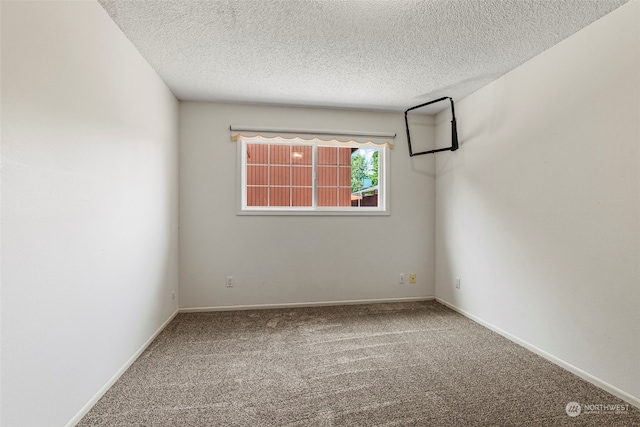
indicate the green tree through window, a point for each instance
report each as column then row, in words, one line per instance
column 358, row 171
column 364, row 169
column 374, row 169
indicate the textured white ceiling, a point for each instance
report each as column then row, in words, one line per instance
column 372, row 54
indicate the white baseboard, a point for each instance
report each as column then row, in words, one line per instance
column 86, row 408
column 550, row 357
column 302, row 304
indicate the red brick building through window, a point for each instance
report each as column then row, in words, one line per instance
column 282, row 175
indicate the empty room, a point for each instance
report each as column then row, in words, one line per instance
column 320, row 213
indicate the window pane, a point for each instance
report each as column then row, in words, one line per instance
column 257, row 175
column 327, row 176
column 344, row 196
column 364, row 169
column 257, row 154
column 301, row 176
column 280, row 154
column 280, row 175
column 257, row 196
column 279, row 196
column 327, row 155
column 301, row 196
column 364, row 177
column 344, row 156
column 301, row 155
column 327, row 196
column 344, row 176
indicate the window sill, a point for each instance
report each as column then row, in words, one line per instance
column 313, row 212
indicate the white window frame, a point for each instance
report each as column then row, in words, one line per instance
column 383, row 184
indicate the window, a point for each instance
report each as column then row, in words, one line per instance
column 296, row 176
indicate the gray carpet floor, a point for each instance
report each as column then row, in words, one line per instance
column 400, row 364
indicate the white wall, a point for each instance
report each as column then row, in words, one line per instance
column 297, row 259
column 89, row 207
column 538, row 213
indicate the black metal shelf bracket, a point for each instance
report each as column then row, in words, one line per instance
column 454, row 129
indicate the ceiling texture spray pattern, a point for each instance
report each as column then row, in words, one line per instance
column 366, row 54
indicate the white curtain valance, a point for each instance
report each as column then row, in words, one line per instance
column 308, row 136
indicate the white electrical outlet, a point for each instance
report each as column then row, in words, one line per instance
column 229, row 281
column 173, row 295
column 402, row 278
column 457, row 283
